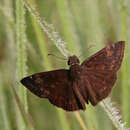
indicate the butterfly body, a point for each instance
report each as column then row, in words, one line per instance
column 75, row 71
column 90, row 81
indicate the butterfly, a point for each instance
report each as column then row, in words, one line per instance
column 90, row 81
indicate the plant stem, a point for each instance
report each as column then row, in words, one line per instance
column 21, row 58
column 125, row 85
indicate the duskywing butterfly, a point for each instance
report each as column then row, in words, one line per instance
column 91, row 81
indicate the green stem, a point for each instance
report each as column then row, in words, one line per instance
column 21, row 58
column 5, row 123
column 125, row 85
column 21, row 46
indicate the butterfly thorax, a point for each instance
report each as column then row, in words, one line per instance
column 73, row 62
column 75, row 71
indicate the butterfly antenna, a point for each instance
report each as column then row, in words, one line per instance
column 89, row 47
column 57, row 56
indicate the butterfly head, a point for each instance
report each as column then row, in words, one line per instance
column 73, row 60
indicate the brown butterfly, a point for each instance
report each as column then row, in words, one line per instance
column 91, row 81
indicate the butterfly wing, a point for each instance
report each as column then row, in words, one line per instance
column 99, row 71
column 54, row 85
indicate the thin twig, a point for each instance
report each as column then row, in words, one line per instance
column 77, row 114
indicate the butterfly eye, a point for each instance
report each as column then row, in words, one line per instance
column 77, row 60
column 68, row 62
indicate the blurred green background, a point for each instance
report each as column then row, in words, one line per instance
column 24, row 49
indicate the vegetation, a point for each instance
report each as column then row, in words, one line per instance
column 30, row 30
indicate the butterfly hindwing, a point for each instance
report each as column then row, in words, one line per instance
column 99, row 71
column 98, row 85
column 56, row 86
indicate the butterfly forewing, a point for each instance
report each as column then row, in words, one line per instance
column 99, row 71
column 109, row 58
column 56, row 86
